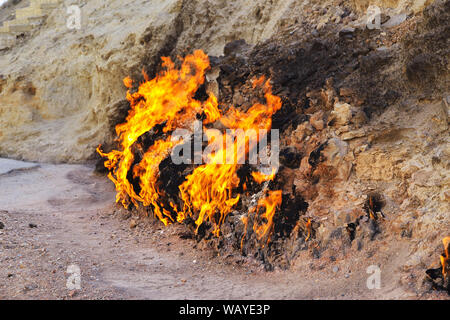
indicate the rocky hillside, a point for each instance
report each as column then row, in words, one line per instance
column 60, row 88
column 364, row 123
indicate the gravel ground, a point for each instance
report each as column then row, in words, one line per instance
column 55, row 216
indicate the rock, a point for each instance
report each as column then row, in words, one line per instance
column 83, row 103
column 72, row 293
column 303, row 130
column 341, row 114
column 323, row 22
column 375, row 165
column 445, row 195
column 335, row 156
column 316, row 120
column 359, row 118
column 426, row 178
column 29, row 287
column 2, row 225
column 290, row 157
column 410, row 167
column 353, row 134
column 133, row 224
column 342, row 129
column 32, row 225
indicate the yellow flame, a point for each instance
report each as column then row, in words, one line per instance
column 271, row 202
column 308, row 228
column 168, row 100
column 260, row 177
column 444, row 260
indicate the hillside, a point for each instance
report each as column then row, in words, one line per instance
column 364, row 122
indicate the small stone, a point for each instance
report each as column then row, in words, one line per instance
column 72, row 293
column 335, row 269
column 353, row 134
column 341, row 114
column 316, row 121
column 29, row 287
column 445, row 195
column 133, row 224
column 32, row 225
column 2, row 225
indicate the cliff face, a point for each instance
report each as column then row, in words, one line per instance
column 60, row 88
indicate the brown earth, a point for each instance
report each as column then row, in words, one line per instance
column 74, row 222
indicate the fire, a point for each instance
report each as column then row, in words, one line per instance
column 308, row 228
column 445, row 259
column 270, row 203
column 260, row 177
column 167, row 101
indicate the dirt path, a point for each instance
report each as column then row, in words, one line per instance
column 58, row 215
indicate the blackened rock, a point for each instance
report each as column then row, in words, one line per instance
column 290, row 157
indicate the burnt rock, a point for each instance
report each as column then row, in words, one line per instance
column 437, row 279
column 315, row 157
column 290, row 157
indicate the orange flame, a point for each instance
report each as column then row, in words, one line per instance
column 444, row 260
column 308, row 228
column 260, row 177
column 271, row 202
column 168, row 100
